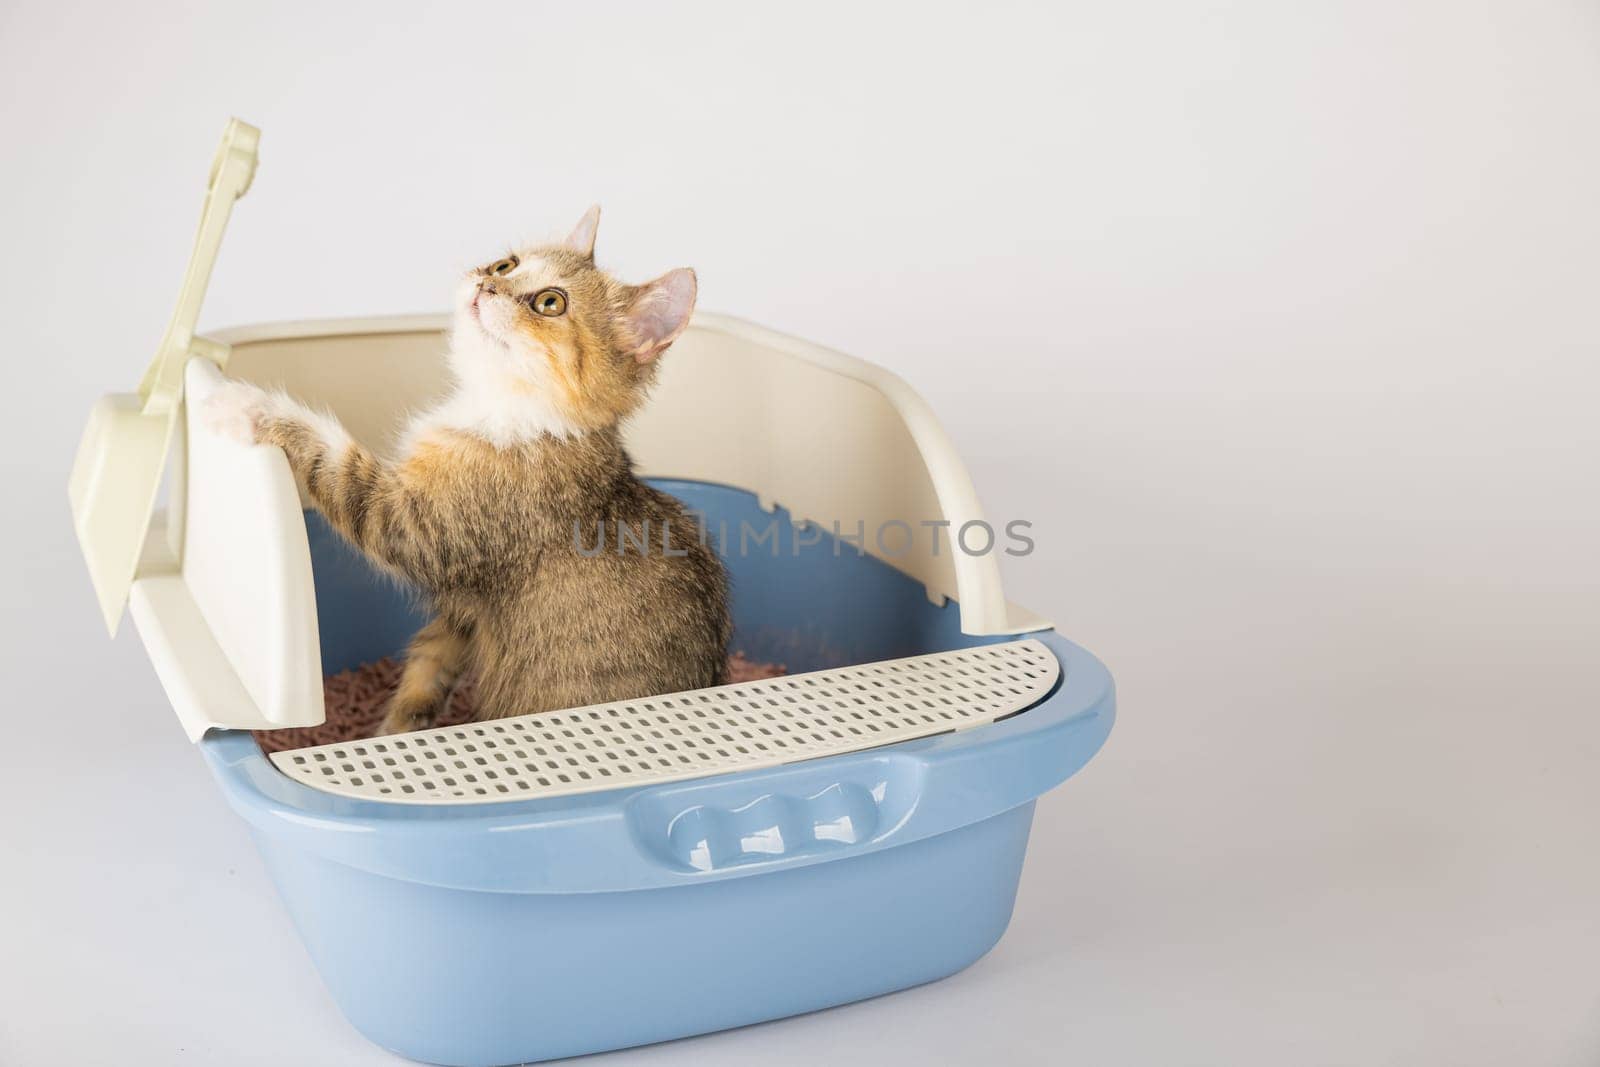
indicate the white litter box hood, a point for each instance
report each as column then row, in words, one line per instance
column 230, row 619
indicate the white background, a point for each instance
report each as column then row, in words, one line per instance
column 1279, row 320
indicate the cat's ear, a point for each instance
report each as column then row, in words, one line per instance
column 659, row 312
column 581, row 239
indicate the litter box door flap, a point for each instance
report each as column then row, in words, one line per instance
column 240, row 620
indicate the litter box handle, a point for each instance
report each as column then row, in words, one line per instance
column 782, row 816
column 232, row 169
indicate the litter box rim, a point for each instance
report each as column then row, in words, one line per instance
column 612, row 841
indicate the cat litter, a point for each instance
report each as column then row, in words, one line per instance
column 852, row 827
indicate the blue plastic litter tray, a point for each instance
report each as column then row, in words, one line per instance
column 547, row 886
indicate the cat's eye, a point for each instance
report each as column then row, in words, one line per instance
column 504, row 266
column 549, row 302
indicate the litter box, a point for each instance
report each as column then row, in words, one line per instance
column 546, row 886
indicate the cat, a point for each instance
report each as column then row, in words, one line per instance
column 498, row 496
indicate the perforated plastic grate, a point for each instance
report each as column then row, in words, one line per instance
column 686, row 735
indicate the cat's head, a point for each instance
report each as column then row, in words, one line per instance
column 544, row 327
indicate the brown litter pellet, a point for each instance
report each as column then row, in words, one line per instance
column 355, row 702
column 745, row 670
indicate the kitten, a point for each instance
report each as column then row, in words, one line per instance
column 495, row 504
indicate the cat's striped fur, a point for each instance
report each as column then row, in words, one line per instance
column 495, row 503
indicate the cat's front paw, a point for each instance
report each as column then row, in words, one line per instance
column 236, row 410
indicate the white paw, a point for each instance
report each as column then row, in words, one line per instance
column 236, row 411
